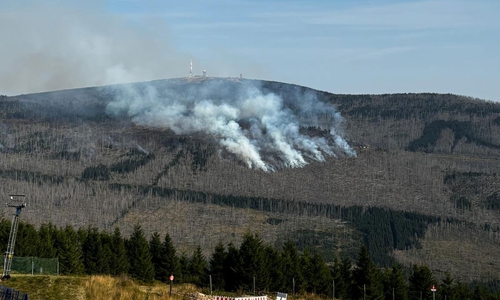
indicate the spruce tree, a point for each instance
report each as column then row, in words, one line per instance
column 183, row 268
column 169, row 262
column 291, row 265
column 141, row 266
column 446, row 287
column 119, row 262
column 277, row 280
column 105, row 258
column 337, row 277
column 198, row 268
column 306, row 270
column 367, row 278
column 69, row 251
column 46, row 241
column 232, row 266
column 254, row 265
column 82, row 234
column 156, row 259
column 395, row 283
column 217, row 266
column 27, row 240
column 420, row 283
column 347, row 279
column 481, row 293
column 321, row 281
column 462, row 291
column 91, row 250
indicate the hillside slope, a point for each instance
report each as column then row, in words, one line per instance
column 433, row 155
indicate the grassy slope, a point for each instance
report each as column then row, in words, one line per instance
column 92, row 287
column 457, row 249
column 106, row 287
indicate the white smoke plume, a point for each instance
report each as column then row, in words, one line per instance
column 46, row 47
column 261, row 128
column 57, row 44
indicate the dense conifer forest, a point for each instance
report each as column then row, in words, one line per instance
column 283, row 269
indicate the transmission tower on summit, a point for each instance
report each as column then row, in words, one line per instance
column 9, row 254
column 191, row 69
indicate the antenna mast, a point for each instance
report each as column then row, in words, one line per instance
column 191, row 69
column 9, row 254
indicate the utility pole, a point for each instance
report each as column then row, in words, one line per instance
column 9, row 254
column 364, row 291
column 334, row 289
column 210, row 285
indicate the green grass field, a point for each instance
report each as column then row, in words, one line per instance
column 43, row 287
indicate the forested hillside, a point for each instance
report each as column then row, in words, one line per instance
column 252, row 268
column 423, row 177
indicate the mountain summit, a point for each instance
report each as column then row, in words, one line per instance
column 413, row 176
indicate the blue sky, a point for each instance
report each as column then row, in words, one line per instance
column 338, row 46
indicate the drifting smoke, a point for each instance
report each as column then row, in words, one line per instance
column 60, row 45
column 262, row 129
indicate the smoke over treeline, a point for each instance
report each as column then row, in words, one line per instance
column 263, row 129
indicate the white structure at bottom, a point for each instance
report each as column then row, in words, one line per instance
column 239, row 298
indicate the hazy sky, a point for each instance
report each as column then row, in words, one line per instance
column 341, row 46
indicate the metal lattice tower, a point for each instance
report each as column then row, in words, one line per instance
column 9, row 254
